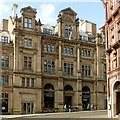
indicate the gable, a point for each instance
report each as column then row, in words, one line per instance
column 68, row 11
column 28, row 10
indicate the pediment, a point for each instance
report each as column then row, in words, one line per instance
column 68, row 11
column 28, row 10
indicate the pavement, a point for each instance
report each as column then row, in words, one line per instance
column 80, row 115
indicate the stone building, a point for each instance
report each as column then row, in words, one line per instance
column 45, row 67
column 112, row 31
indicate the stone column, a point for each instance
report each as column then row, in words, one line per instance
column 78, row 93
column 60, row 94
column 39, row 56
column 16, row 52
column 40, row 95
column 98, row 56
column 60, row 58
column 78, row 61
column 60, row 80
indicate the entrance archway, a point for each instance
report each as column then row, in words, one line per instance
column 117, row 97
column 68, row 93
column 48, row 96
column 86, row 98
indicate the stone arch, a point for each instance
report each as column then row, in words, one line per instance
column 116, row 97
column 68, row 95
column 49, row 96
column 86, row 98
column 68, row 88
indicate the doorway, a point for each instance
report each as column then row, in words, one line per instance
column 48, row 96
column 86, row 98
column 68, row 101
column 117, row 103
column 68, row 93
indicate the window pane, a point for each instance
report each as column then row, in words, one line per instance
column 53, row 48
column 32, row 82
column 45, row 48
column 7, row 81
column 7, row 61
column 25, row 22
column 29, row 42
column 2, row 61
column 71, row 51
column 23, row 82
column 28, row 82
column 25, row 42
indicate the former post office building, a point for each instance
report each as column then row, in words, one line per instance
column 44, row 67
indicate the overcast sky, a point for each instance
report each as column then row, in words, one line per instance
column 47, row 10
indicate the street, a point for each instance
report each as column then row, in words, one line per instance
column 81, row 115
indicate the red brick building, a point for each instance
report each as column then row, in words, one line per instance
column 112, row 30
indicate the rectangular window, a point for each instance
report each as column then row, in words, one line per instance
column 65, row 69
column 7, row 61
column 49, row 48
column 28, row 82
column 88, row 53
column 27, row 22
column 53, row 48
column 23, row 82
column 89, row 71
column 104, row 70
column 45, row 48
column 85, row 53
column 27, row 63
column 27, row 42
column 4, row 80
column 32, row 82
column 49, row 66
column 71, row 51
column 4, row 61
column 68, row 69
column 86, row 70
column 72, row 69
column 30, row 63
column 68, row 50
column 68, row 30
column 4, row 39
column 47, row 31
column 82, row 52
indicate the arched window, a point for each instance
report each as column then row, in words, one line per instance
column 68, row 88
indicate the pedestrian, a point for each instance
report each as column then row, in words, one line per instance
column 92, row 107
column 65, row 107
column 69, row 108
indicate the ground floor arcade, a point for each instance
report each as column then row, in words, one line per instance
column 53, row 96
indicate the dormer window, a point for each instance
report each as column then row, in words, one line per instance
column 68, row 30
column 27, row 22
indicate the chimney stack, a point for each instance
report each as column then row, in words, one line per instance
column 14, row 10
